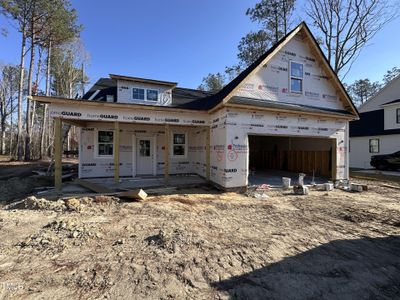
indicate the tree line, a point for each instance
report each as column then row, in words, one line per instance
column 342, row 28
column 50, row 50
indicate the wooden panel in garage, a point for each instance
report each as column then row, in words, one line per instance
column 294, row 161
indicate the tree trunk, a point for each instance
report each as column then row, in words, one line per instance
column 3, row 136
column 20, row 147
column 28, row 102
column 44, row 119
column 39, row 66
column 3, row 124
column 11, row 131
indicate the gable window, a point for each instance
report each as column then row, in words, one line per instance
column 296, row 77
column 138, row 94
column 179, row 144
column 398, row 116
column 105, row 144
column 152, row 95
column 374, row 146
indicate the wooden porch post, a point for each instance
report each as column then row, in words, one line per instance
column 116, row 152
column 166, row 153
column 57, row 154
column 208, row 148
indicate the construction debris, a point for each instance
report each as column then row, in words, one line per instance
column 328, row 186
column 300, row 190
column 354, row 187
column 137, row 194
column 286, row 183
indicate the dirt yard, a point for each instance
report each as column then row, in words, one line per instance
column 200, row 244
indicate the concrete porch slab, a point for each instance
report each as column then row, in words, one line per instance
column 137, row 183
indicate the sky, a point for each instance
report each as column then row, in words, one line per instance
column 182, row 40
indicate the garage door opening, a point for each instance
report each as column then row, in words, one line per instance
column 274, row 157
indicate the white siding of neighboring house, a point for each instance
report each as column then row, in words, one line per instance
column 389, row 93
column 125, row 93
column 391, row 117
column 359, row 149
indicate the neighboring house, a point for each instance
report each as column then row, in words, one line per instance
column 378, row 130
column 286, row 111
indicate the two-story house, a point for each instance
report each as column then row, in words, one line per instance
column 286, row 111
column 378, row 130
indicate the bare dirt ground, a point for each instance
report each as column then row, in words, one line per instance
column 201, row 244
column 17, row 179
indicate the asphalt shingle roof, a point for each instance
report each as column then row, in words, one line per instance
column 371, row 123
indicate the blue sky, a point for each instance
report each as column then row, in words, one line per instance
column 182, row 40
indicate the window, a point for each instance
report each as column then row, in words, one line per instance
column 138, row 94
column 296, row 77
column 179, row 144
column 105, row 143
column 374, row 146
column 398, row 116
column 144, row 150
column 152, row 95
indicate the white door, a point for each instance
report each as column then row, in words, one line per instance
column 144, row 156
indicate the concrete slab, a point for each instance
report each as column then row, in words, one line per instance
column 377, row 172
column 137, row 182
column 274, row 178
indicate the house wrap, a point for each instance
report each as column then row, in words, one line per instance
column 286, row 111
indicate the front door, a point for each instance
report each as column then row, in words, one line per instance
column 144, row 156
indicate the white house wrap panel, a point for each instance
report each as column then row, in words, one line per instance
column 272, row 81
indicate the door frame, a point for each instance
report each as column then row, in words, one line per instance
column 153, row 138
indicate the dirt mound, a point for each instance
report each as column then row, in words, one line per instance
column 70, row 204
column 57, row 235
column 174, row 240
column 34, row 203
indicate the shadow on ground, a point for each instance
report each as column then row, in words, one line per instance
column 367, row 268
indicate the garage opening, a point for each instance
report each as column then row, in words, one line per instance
column 274, row 157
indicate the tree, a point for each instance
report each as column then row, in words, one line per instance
column 363, row 89
column 19, row 11
column 346, row 26
column 212, row 82
column 9, row 81
column 275, row 19
column 67, row 69
column 274, row 15
column 61, row 26
column 391, row 74
column 38, row 18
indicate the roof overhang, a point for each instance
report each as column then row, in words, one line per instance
column 128, row 106
column 281, row 110
column 391, row 103
column 144, row 80
column 97, row 104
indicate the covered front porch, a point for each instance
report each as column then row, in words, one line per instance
column 123, row 155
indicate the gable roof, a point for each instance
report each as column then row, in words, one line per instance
column 105, row 86
column 229, row 90
column 382, row 90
